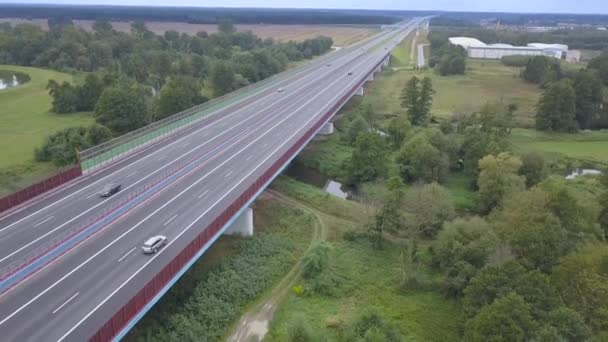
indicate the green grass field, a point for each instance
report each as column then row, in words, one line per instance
column 586, row 146
column 484, row 81
column 26, row 122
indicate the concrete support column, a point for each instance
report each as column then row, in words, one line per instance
column 386, row 61
column 378, row 69
column 359, row 92
column 370, row 77
column 243, row 225
column 327, row 129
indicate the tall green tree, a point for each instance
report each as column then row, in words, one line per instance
column 357, row 126
column 499, row 176
column 506, row 319
column 369, row 159
column 122, row 107
column 397, row 131
column 428, row 206
column 420, row 160
column 221, row 78
column 425, row 102
column 180, row 93
column 557, row 108
column 589, row 96
column 409, row 98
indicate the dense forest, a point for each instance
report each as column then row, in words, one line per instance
column 132, row 79
column 536, row 19
column 200, row 15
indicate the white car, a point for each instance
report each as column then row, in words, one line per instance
column 280, row 90
column 153, row 244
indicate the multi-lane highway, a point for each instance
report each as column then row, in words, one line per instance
column 195, row 175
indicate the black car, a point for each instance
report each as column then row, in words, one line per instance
column 109, row 190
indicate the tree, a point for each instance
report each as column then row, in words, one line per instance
column 226, row 27
column 533, row 168
column 589, row 95
column 557, row 108
column 409, row 98
column 180, row 93
column 389, row 216
column 89, row 92
column 600, row 65
column 122, row 108
column 569, row 324
column 425, row 102
column 452, row 61
column 61, row 147
column 65, row 97
column 429, row 207
column 357, row 126
column 461, row 246
column 420, row 160
column 495, row 282
column 221, row 78
column 542, row 69
column 582, row 283
column 397, row 130
column 506, row 319
column 533, row 233
column 497, row 178
column 369, row 159
column 485, row 132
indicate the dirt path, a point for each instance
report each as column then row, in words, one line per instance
column 253, row 325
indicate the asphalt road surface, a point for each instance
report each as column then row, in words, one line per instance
column 72, row 296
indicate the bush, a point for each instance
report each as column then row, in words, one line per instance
column 371, row 325
column 316, row 260
column 299, row 330
column 60, row 147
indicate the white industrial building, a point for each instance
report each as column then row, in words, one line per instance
column 478, row 49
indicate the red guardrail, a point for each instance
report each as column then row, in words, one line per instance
column 113, row 326
column 41, row 187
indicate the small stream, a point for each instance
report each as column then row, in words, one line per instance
column 313, row 177
column 583, row 172
column 10, row 83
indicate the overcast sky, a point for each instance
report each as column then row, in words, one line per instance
column 561, row 6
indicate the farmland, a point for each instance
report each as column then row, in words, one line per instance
column 341, row 34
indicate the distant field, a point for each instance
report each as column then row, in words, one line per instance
column 592, row 146
column 26, row 122
column 341, row 34
column 484, row 81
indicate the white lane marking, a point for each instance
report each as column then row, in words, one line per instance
column 187, row 136
column 215, row 137
column 251, row 156
column 127, row 254
column 43, row 292
column 186, row 144
column 171, row 219
column 91, row 195
column 131, row 174
column 203, row 194
column 194, row 222
column 66, row 302
column 228, row 174
column 39, row 223
column 266, row 144
column 162, row 157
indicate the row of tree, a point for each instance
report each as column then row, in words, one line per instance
column 136, row 78
column 446, row 58
column 570, row 100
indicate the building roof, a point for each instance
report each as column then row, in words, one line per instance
column 467, row 42
column 549, row 46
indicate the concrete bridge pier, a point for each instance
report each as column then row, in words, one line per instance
column 370, row 77
column 243, row 225
column 327, row 129
column 386, row 61
column 359, row 92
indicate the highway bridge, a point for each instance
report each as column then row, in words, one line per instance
column 71, row 265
